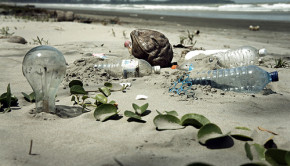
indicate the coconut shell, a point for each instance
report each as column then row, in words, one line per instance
column 151, row 46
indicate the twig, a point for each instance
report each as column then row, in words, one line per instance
column 118, row 162
column 30, row 147
column 262, row 129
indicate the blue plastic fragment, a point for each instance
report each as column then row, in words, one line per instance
column 185, row 82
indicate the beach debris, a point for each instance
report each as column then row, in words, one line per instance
column 195, row 53
column 152, row 46
column 17, row 39
column 128, row 68
column 229, row 83
column 30, row 148
column 64, row 15
column 141, row 97
column 263, row 129
column 39, row 66
column 100, row 55
column 254, row 28
column 139, row 111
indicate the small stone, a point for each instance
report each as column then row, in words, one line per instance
column 17, row 39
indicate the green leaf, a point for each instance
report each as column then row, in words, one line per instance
column 276, row 157
column 77, row 89
column 242, row 134
column 30, row 97
column 173, row 113
column 112, row 102
column 101, row 98
column 287, row 157
column 195, row 120
column 105, row 111
column 140, row 110
column 75, row 82
column 73, row 98
column 143, row 108
column 26, row 96
column 260, row 150
column 136, row 108
column 85, row 97
column 242, row 128
column 167, row 122
column 159, row 113
column 108, row 85
column 209, row 131
column 248, row 151
column 131, row 114
column 105, row 91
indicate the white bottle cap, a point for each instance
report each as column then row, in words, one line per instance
column 262, row 51
column 156, row 69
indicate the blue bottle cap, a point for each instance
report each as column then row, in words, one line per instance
column 274, row 76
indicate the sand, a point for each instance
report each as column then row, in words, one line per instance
column 81, row 140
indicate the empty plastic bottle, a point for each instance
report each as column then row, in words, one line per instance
column 128, row 68
column 250, row 79
column 242, row 56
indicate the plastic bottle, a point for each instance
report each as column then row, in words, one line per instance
column 128, row 68
column 250, row 79
column 242, row 56
column 192, row 54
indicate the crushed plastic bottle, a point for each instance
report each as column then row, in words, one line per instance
column 128, row 68
column 242, row 56
column 248, row 79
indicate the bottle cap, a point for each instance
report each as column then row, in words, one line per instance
column 262, row 51
column 156, row 69
column 174, row 66
column 274, row 76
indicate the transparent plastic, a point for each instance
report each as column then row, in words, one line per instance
column 242, row 56
column 44, row 67
column 128, row 68
column 249, row 79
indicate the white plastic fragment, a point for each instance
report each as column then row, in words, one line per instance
column 100, row 55
column 194, row 53
column 126, row 84
column 141, row 97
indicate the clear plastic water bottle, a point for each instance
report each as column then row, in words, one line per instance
column 128, row 68
column 242, row 56
column 249, row 79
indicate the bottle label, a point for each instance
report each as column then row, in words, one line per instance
column 130, row 67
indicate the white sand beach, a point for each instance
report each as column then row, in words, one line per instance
column 82, row 140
